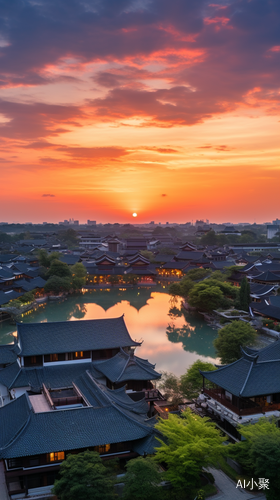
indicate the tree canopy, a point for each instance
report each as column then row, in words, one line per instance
column 79, row 273
column 208, row 294
column 231, row 337
column 56, row 285
column 191, row 382
column 189, row 385
column 205, row 297
column 244, row 294
column 142, row 480
column 171, row 388
column 83, row 477
column 259, row 453
column 189, row 443
column 58, row 268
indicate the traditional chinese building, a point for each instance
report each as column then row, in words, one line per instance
column 244, row 390
column 67, row 387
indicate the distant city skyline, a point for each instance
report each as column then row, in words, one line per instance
column 132, row 222
column 166, row 109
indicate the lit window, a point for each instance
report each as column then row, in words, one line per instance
column 56, row 456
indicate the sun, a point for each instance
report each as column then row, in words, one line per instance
column 134, row 214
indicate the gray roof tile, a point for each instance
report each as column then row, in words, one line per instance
column 68, row 336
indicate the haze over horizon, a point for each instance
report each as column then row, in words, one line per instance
column 166, row 109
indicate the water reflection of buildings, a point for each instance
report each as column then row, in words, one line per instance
column 147, row 311
column 76, row 306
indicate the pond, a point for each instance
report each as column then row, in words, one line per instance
column 172, row 337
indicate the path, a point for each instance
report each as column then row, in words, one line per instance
column 227, row 488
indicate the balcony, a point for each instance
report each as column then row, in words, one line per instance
column 247, row 407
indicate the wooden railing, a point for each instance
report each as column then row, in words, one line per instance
column 153, row 395
column 48, row 397
column 251, row 408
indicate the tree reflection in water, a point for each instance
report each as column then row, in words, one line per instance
column 192, row 334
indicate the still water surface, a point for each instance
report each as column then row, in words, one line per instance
column 171, row 339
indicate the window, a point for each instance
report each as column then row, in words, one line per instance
column 56, row 456
column 78, row 355
column 15, row 463
column 54, row 357
column 33, row 361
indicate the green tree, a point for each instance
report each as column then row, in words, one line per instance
column 58, row 268
column 205, row 297
column 197, row 274
column 170, row 387
column 27, row 297
column 69, row 237
column 244, row 295
column 148, row 255
column 56, row 285
column 231, row 338
column 265, row 455
column 175, row 290
column 189, row 443
column 228, row 290
column 209, row 238
column 259, row 452
column 83, row 477
column 142, row 480
column 79, row 274
column 191, row 382
column 45, row 258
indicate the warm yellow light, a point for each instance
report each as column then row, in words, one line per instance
column 134, row 214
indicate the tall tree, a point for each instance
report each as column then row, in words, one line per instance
column 189, row 443
column 231, row 338
column 244, row 294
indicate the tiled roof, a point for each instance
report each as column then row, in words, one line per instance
column 99, row 395
column 267, row 276
column 52, row 376
column 259, row 289
column 266, row 310
column 175, row 265
column 8, row 257
column 68, row 336
column 123, row 367
column 70, row 260
column 9, row 374
column 256, row 373
column 13, row 418
column 6, row 273
column 39, row 433
column 189, row 255
column 7, row 354
column 5, row 297
column 30, row 285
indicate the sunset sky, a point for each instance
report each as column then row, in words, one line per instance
column 170, row 109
